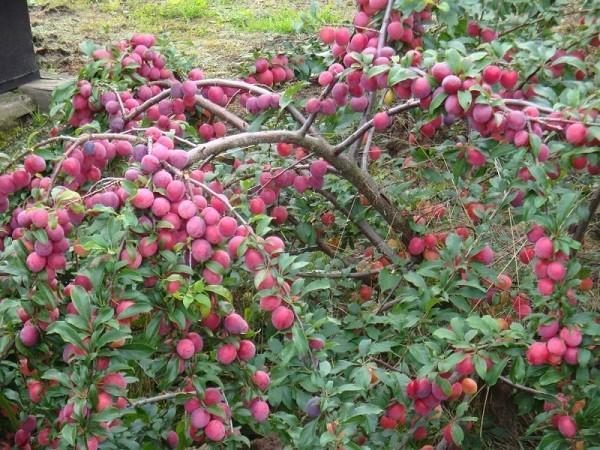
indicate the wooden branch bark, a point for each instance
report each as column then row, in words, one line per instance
column 346, row 167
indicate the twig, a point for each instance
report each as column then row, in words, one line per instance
column 365, row 227
column 369, row 124
column 322, row 274
column 583, row 225
column 524, row 388
column 365, row 156
column 159, row 398
column 371, row 104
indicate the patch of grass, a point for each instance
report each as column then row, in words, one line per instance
column 282, row 20
column 149, row 11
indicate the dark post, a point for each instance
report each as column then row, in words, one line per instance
column 17, row 59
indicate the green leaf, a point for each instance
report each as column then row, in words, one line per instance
column 416, row 279
column 449, row 363
column 399, row 73
column 518, row 369
column 67, row 333
column 220, row 291
column 492, row 375
column 571, row 61
column 299, row 340
column 306, row 233
column 551, row 376
column 81, row 299
column 445, row 334
column 366, row 410
column 420, row 353
column 457, row 434
column 61, row 377
column 437, row 101
column 317, row 285
column 388, row 280
column 464, row 99
column 454, row 60
column 288, row 95
column 480, row 366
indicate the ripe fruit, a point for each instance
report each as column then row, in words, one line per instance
column 374, row 153
column 365, row 292
column 416, row 246
column 469, row 386
column 246, row 350
column 327, row 35
column 465, row 367
column 572, row 337
column 29, row 335
column 259, row 410
column 537, row 354
column 313, row 407
column 451, row 84
column 261, row 379
column 381, row 120
column 185, row 349
column 35, row 262
column 556, row 271
column 440, row 71
column 143, row 199
column 567, row 426
column 492, row 74
column 215, row 430
column 544, row 248
column 576, row 134
column 420, row 87
column 200, row 418
column 257, row 206
column 548, row 330
column 509, row 79
column 226, row 354
column 235, row 324
column 282, row 317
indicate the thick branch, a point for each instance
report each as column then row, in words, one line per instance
column 345, row 166
column 221, row 112
column 365, row 227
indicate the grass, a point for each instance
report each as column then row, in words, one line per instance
column 215, row 34
column 170, row 9
column 283, row 20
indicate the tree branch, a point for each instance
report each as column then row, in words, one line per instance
column 365, row 227
column 583, row 225
column 346, row 167
column 158, row 398
column 524, row 388
column 334, row 275
column 223, row 113
column 369, row 124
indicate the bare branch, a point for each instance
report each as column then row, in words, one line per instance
column 221, row 112
column 321, row 274
column 159, row 398
column 369, row 124
column 583, row 225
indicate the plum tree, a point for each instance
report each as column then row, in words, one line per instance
column 350, row 268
